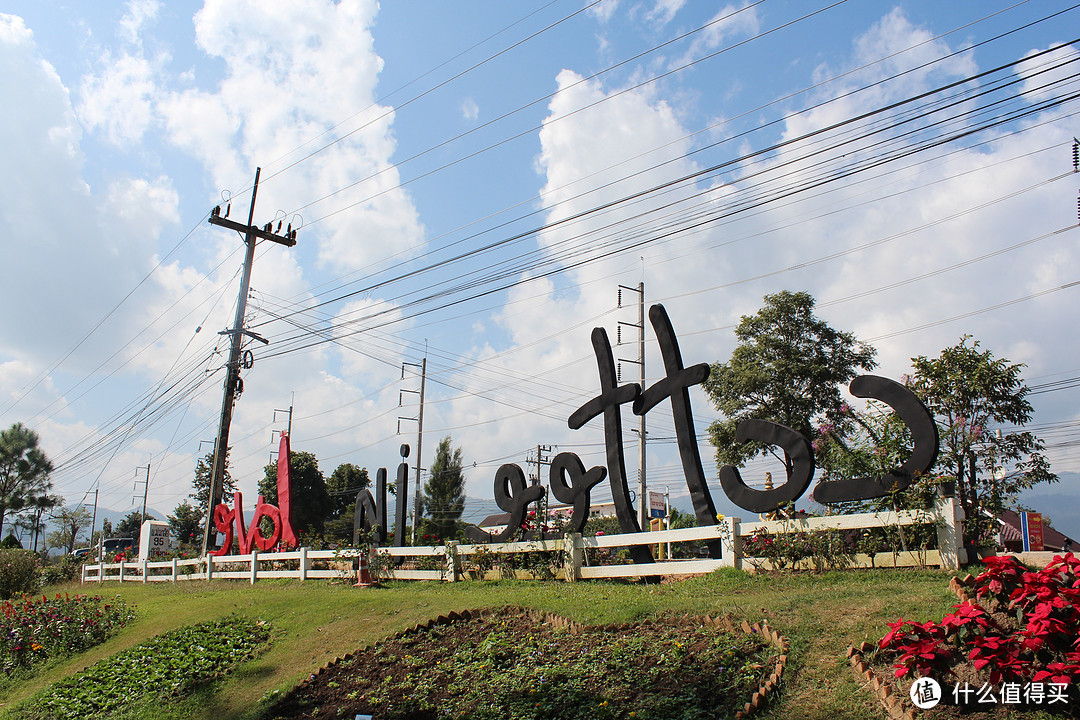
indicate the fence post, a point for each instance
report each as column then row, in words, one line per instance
column 950, row 533
column 142, row 565
column 174, row 569
column 209, row 567
column 303, row 563
column 100, row 569
column 254, row 564
column 121, row 572
column 574, row 551
column 731, row 542
column 452, row 566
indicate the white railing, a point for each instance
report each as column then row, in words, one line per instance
column 446, row 560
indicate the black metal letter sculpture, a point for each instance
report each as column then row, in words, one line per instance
column 607, row 403
column 371, row 510
column 798, row 450
column 924, row 434
column 675, row 385
column 576, row 492
column 513, row 495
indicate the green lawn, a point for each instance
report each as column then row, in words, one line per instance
column 315, row 621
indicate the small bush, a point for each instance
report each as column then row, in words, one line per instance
column 20, row 572
column 64, row 570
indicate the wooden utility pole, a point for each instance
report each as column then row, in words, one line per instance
column 232, row 376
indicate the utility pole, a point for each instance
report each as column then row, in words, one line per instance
column 643, row 499
column 146, row 488
column 232, row 376
column 419, row 438
column 541, row 502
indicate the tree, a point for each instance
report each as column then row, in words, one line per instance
column 343, row 485
column 131, row 525
column 36, row 507
column 72, row 522
column 203, row 471
column 443, row 499
column 311, row 503
column 970, row 392
column 186, row 523
column 787, row 368
column 24, row 469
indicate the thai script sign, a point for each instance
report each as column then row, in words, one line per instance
column 226, row 518
column 572, row 483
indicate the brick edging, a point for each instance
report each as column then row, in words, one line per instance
column 757, row 700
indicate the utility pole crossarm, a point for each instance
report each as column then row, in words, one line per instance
column 289, row 239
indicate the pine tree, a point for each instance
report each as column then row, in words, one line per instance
column 443, row 499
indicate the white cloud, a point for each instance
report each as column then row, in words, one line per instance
column 730, row 21
column 469, row 109
column 1043, row 76
column 292, row 71
column 664, row 11
column 604, row 10
column 139, row 14
column 119, row 100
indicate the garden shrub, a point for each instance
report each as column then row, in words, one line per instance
column 64, row 570
column 1022, row 628
column 20, row 572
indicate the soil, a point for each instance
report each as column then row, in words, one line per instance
column 510, row 665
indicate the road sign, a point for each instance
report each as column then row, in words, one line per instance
column 657, row 507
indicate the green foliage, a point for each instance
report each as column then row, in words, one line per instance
column 311, row 503
column 169, row 665
column 186, row 524
column 10, row 543
column 20, row 572
column 343, row 485
column 443, row 499
column 512, row 668
column 64, row 569
column 131, row 525
column 40, row 629
column 201, row 484
column 970, row 392
column 788, row 368
column 24, row 469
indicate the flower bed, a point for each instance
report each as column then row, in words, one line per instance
column 1013, row 646
column 168, row 665
column 516, row 664
column 35, row 630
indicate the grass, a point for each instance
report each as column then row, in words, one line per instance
column 315, row 622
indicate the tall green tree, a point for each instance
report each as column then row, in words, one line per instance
column 974, row 397
column 186, row 523
column 24, row 469
column 443, row 499
column 788, row 367
column 131, row 525
column 201, row 485
column 311, row 502
column 343, row 485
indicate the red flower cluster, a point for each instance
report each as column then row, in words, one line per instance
column 33, row 630
column 1043, row 646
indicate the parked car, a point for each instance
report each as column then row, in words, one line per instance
column 80, row 552
column 116, row 545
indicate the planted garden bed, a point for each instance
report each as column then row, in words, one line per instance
column 516, row 664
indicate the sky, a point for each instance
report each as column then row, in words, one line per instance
column 472, row 182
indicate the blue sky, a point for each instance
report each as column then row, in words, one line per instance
column 398, row 137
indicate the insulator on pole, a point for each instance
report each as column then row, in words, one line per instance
column 620, row 298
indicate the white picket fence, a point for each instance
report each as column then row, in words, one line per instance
column 447, row 560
